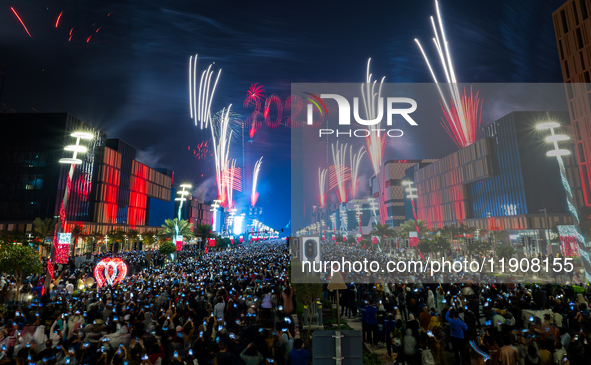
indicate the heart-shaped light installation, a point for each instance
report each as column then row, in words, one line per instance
column 110, row 271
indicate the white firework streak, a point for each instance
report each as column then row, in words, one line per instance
column 191, row 83
column 221, row 138
column 355, row 161
column 322, row 185
column 450, row 75
column 201, row 98
column 338, row 156
column 375, row 143
column 255, row 179
column 230, row 182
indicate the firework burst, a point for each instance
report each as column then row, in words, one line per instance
column 462, row 118
column 338, row 156
column 200, row 98
column 355, row 160
column 256, row 92
column 221, row 139
column 375, row 143
column 322, row 186
column 202, row 151
column 255, row 178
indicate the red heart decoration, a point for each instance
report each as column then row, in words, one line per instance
column 110, row 271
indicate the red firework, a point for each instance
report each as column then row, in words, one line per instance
column 256, row 92
column 463, row 133
column 20, row 20
column 202, row 150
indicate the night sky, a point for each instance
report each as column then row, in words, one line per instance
column 130, row 78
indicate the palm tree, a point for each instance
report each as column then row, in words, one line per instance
column 204, row 232
column 43, row 228
column 409, row 226
column 76, row 231
column 170, row 226
column 382, row 230
column 132, row 236
column 148, row 238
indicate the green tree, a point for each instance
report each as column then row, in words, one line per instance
column 115, row 236
column 204, row 232
column 185, row 228
column 76, row 232
column 505, row 251
column 382, row 230
column 480, row 248
column 409, row 226
column 13, row 237
column 132, row 236
column 92, row 240
column 307, row 293
column 20, row 261
column 149, row 238
column 43, row 228
column 437, row 244
column 167, row 248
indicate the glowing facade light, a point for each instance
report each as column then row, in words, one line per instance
column 407, row 182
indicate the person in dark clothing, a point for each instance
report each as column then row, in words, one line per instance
column 389, row 325
column 457, row 333
column 371, row 319
column 224, row 357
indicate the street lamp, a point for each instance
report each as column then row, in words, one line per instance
column 547, row 225
column 73, row 161
column 558, row 153
column 412, row 195
column 183, row 194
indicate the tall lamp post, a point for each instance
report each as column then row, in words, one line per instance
column 183, row 196
column 547, row 226
column 73, row 161
column 412, row 195
column 558, row 153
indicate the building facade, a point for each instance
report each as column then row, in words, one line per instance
column 572, row 27
column 109, row 191
column 394, row 194
column 501, row 182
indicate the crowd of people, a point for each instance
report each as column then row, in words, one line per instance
column 238, row 307
column 230, row 307
column 496, row 323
